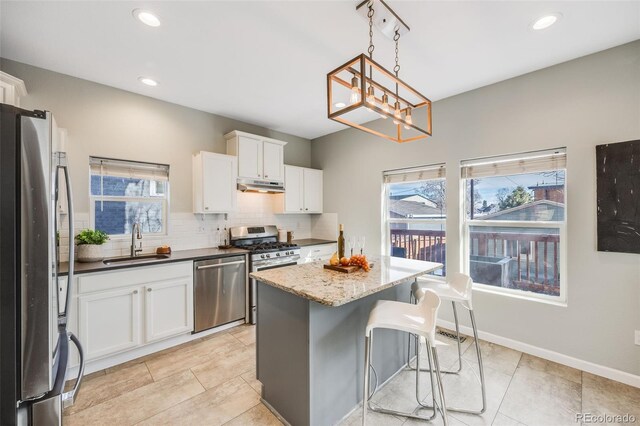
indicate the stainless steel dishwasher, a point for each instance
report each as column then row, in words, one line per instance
column 220, row 291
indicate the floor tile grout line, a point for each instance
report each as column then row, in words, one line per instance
column 507, row 390
column 250, row 408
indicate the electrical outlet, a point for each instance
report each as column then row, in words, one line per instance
column 637, row 340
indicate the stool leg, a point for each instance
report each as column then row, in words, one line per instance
column 443, row 405
column 480, row 366
column 367, row 366
column 433, row 382
column 455, row 318
column 409, row 342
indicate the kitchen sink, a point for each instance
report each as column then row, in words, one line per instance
column 137, row 259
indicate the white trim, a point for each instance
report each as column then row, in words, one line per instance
column 569, row 361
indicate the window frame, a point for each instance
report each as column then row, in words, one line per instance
column 165, row 198
column 387, row 221
column 467, row 223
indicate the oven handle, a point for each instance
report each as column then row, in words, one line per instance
column 220, row 265
column 289, row 261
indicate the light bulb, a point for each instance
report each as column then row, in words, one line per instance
column 385, row 105
column 371, row 97
column 355, row 91
column 397, row 114
column 407, row 119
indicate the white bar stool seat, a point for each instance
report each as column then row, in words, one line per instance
column 420, row 321
column 457, row 289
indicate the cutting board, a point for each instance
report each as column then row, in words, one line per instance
column 340, row 268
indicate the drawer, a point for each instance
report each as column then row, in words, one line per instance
column 136, row 275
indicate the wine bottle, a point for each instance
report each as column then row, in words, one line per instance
column 341, row 242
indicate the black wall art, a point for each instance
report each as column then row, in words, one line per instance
column 618, row 174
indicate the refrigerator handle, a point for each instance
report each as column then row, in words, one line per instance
column 69, row 398
column 62, row 164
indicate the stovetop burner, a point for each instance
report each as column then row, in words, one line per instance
column 267, row 247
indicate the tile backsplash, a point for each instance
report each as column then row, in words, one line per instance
column 192, row 231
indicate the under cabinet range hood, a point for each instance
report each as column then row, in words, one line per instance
column 265, row 186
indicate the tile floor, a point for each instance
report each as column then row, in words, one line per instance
column 211, row 381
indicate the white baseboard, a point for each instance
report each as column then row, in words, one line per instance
column 589, row 367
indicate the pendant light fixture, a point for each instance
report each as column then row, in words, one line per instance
column 409, row 110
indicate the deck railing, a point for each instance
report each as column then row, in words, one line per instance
column 533, row 258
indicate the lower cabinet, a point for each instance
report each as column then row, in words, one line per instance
column 168, row 309
column 109, row 321
column 123, row 310
column 318, row 252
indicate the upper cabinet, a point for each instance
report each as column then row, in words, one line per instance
column 303, row 190
column 11, row 89
column 259, row 158
column 214, row 183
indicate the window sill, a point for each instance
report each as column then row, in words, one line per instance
column 483, row 288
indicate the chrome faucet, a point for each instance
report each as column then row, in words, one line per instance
column 135, row 234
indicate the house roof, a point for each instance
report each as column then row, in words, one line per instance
column 405, row 208
column 547, row 186
column 538, row 210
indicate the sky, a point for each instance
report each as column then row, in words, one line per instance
column 489, row 187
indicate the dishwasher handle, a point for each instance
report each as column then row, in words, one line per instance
column 220, row 265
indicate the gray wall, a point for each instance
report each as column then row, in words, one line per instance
column 578, row 104
column 105, row 121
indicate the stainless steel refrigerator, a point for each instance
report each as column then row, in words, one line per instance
column 34, row 341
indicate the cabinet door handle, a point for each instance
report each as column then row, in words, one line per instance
column 306, row 209
column 149, row 290
column 266, row 176
column 135, row 291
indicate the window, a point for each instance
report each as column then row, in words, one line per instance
column 515, row 223
column 414, row 214
column 125, row 192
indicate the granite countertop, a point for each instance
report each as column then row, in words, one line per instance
column 306, row 242
column 176, row 256
column 332, row 288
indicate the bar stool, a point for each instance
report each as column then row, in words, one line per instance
column 457, row 289
column 420, row 321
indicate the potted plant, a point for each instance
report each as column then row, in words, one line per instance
column 90, row 243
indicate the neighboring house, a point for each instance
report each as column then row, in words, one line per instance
column 414, row 197
column 415, row 210
column 551, row 192
column 541, row 210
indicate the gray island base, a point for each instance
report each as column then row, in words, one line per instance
column 310, row 335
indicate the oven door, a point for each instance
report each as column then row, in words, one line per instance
column 263, row 266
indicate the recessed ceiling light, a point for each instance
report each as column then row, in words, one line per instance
column 546, row 21
column 148, row 81
column 146, row 17
column 340, row 105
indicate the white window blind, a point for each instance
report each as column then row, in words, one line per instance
column 128, row 169
column 515, row 164
column 416, row 174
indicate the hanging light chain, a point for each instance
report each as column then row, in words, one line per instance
column 396, row 38
column 370, row 14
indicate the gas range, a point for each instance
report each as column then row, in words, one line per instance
column 262, row 243
column 265, row 252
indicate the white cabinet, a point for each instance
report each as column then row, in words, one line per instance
column 168, row 309
column 11, row 89
column 114, row 317
column 302, row 190
column 312, row 190
column 293, row 190
column 109, row 321
column 318, row 252
column 259, row 157
column 214, row 183
column 273, row 160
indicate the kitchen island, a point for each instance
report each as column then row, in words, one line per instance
column 310, row 335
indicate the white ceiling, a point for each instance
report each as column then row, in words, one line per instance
column 266, row 62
